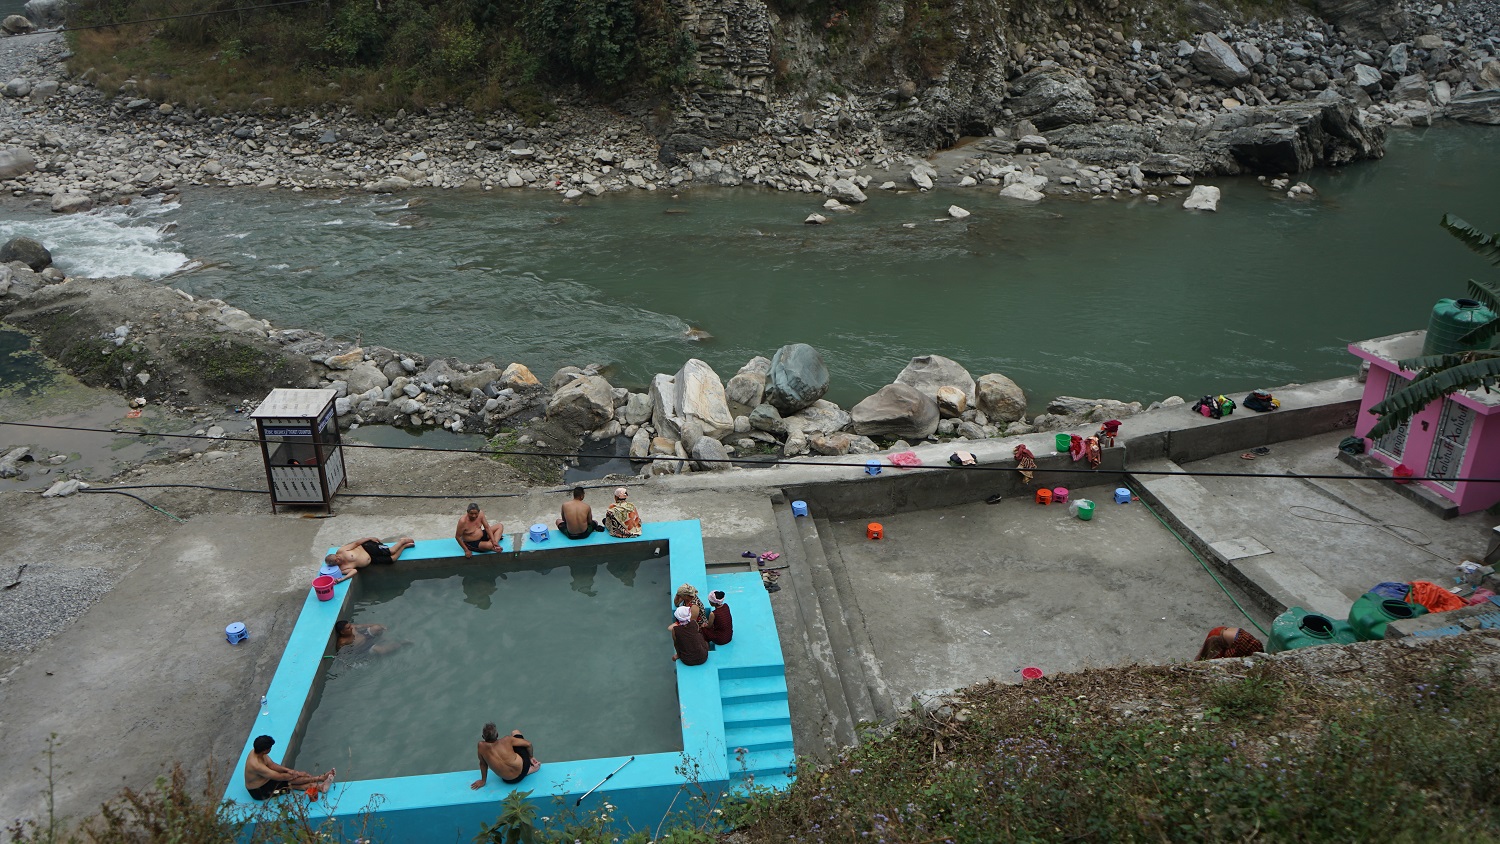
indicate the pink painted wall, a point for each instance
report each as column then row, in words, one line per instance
column 1481, row 456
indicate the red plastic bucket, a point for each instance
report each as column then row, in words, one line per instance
column 323, row 586
column 1031, row 672
column 1401, row 473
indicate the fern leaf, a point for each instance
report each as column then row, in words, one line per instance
column 1487, row 246
column 1432, row 385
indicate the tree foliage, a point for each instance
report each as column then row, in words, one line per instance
column 1442, row 375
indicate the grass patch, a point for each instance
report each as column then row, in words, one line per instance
column 1059, row 760
column 546, row 471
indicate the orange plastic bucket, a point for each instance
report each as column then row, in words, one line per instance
column 323, row 586
column 875, row 530
column 1044, row 496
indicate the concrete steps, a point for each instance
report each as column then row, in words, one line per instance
column 1276, row 578
column 854, row 618
column 757, row 726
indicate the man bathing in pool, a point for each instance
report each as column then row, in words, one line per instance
column 475, row 533
column 356, row 555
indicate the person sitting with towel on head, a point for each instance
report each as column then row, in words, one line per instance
column 687, row 638
column 720, row 627
column 622, row 519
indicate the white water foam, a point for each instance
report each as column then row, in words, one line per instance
column 113, row 241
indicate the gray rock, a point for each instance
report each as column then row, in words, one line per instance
column 845, row 190
column 17, row 87
column 830, row 445
column 969, row 430
column 1410, row 89
column 798, row 377
column 1292, row 137
column 664, row 407
column 364, row 377
column 16, row 25
column 897, row 410
column 63, row 489
column 640, row 444
column 929, row 372
column 999, row 398
column 1477, row 107
column 28, row 251
column 45, row 12
column 584, row 405
column 517, row 377
column 637, row 408
column 1217, row 59
column 15, row 161
column 1396, row 60
column 822, row 417
column 389, row 184
column 72, row 203
column 746, row 389
column 466, row 382
column 43, row 91
column 1428, row 42
column 1203, row 198
column 1366, row 77
column 706, row 453
column 563, row 377
column 1051, row 97
column 766, row 418
column 700, row 399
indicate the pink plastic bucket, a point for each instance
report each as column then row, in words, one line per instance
column 323, row 586
column 1031, row 672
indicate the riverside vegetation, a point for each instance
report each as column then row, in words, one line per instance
column 1374, row 741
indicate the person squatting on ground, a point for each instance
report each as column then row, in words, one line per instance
column 355, row 555
column 474, row 533
column 577, row 520
column 510, row 757
column 687, row 638
column 265, row 778
column 1226, row 642
column 622, row 519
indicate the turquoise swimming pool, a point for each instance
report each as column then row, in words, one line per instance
column 731, row 713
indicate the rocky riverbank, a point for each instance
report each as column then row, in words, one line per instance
column 1096, row 110
column 164, row 347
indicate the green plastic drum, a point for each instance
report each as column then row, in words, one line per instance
column 1371, row 613
column 1452, row 319
column 1298, row 628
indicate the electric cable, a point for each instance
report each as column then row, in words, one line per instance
column 569, row 455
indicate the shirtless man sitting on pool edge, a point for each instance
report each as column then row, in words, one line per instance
column 510, row 757
column 355, row 555
column 266, row 779
column 474, row 533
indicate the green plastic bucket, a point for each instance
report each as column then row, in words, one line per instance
column 1064, row 441
column 1085, row 509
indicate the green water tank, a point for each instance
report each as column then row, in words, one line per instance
column 1451, row 320
column 1371, row 613
column 1298, row 628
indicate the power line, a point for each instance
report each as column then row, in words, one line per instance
column 188, row 15
column 567, row 455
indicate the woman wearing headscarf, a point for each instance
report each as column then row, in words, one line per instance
column 687, row 596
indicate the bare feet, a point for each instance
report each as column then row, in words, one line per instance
column 535, row 763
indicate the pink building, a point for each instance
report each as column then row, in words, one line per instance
column 1449, row 440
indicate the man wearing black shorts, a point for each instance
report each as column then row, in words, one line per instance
column 266, row 779
column 476, row 534
column 355, row 555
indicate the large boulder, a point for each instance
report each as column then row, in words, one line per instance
column 1219, row 60
column 845, row 190
column 1202, row 198
column 583, row 405
column 708, row 454
column 517, row 377
column 929, row 372
column 798, row 377
column 767, row 418
column 699, row 398
column 72, row 203
column 45, row 12
column 28, row 251
column 16, row 25
column 637, row 409
column 999, row 398
column 464, row 383
column 748, row 386
column 1052, row 96
column 897, row 411
column 951, row 402
column 364, row 376
column 15, row 161
column 1291, row 137
column 1477, row 107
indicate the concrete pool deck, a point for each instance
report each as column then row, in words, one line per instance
column 143, row 677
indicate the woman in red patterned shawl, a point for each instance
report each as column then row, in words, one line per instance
column 1226, row 642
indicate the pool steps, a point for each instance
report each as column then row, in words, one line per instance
column 757, row 717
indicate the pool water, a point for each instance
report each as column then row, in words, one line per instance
column 575, row 656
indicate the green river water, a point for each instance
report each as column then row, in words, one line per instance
column 1115, row 298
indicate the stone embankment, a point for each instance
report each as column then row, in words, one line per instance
column 1098, row 110
column 166, row 347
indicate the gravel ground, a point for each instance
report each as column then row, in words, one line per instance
column 46, row 599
